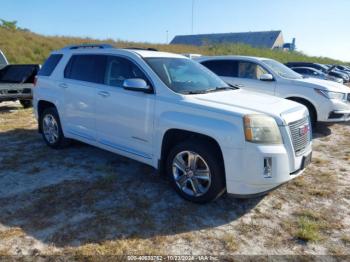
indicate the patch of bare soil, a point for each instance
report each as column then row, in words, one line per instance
column 83, row 201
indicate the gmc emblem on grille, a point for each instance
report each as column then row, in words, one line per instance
column 303, row 130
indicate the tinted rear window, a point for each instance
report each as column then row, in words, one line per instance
column 50, row 65
column 223, row 67
column 89, row 68
column 18, row 74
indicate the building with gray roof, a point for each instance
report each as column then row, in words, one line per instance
column 265, row 39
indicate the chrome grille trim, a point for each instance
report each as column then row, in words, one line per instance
column 300, row 142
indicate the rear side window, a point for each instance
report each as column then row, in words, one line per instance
column 223, row 67
column 50, row 65
column 89, row 68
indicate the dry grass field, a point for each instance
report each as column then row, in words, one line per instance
column 26, row 47
column 82, row 201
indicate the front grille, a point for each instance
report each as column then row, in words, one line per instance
column 300, row 138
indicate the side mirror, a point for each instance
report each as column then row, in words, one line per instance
column 266, row 77
column 137, row 85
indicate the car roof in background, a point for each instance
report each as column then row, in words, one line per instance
column 228, row 57
column 304, row 67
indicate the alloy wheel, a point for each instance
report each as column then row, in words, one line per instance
column 191, row 173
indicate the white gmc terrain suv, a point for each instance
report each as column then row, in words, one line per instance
column 172, row 113
column 326, row 101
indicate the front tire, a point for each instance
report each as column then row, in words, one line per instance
column 310, row 108
column 51, row 129
column 196, row 171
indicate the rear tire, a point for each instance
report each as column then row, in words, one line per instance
column 51, row 128
column 26, row 103
column 201, row 179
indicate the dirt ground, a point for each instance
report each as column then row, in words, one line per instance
column 83, row 201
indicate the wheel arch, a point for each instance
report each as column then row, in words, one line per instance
column 305, row 102
column 174, row 136
column 42, row 106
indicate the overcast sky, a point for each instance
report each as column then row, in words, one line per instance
column 321, row 27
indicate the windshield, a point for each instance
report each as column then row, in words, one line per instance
column 185, row 76
column 282, row 70
column 3, row 60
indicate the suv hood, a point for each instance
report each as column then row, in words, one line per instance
column 246, row 102
column 323, row 85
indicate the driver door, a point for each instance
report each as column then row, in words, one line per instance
column 124, row 118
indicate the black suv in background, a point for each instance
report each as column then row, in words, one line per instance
column 17, row 82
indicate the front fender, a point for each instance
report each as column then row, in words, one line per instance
column 226, row 134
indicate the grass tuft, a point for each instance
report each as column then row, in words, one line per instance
column 308, row 229
column 230, row 242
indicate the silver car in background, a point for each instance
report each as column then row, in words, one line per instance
column 314, row 73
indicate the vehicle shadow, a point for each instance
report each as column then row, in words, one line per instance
column 85, row 195
column 321, row 130
column 345, row 123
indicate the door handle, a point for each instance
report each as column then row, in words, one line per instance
column 104, row 94
column 63, row 85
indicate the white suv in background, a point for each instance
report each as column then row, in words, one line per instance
column 172, row 113
column 327, row 101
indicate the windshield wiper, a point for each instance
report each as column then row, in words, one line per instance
column 216, row 89
column 194, row 92
column 222, row 88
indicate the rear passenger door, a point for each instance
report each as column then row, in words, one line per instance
column 124, row 118
column 81, row 76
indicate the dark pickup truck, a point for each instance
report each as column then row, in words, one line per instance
column 17, row 82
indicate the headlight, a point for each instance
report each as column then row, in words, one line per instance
column 261, row 129
column 331, row 95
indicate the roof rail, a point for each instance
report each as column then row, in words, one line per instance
column 100, row 46
column 191, row 56
column 140, row 48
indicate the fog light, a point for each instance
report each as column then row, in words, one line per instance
column 267, row 167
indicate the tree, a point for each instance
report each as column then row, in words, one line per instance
column 11, row 25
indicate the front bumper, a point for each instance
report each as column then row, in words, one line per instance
column 13, row 97
column 10, row 93
column 334, row 111
column 339, row 116
column 247, row 177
